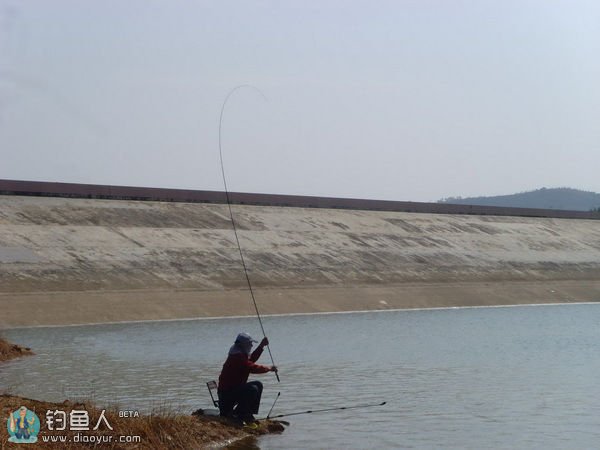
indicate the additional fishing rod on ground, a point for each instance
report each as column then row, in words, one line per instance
column 233, row 221
column 271, row 410
column 339, row 408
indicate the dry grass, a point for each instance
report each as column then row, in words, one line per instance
column 165, row 431
column 10, row 351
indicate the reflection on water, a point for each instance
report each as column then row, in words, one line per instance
column 250, row 443
column 469, row 378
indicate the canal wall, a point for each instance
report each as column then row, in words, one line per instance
column 75, row 260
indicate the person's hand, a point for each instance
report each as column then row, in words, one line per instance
column 264, row 342
column 274, row 369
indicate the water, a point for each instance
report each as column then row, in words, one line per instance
column 520, row 377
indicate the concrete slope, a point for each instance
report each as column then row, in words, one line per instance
column 75, row 245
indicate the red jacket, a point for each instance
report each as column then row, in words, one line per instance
column 237, row 367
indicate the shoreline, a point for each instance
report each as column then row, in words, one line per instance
column 325, row 313
column 155, row 430
column 55, row 309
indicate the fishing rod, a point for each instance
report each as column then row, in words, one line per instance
column 339, row 408
column 231, row 214
column 271, row 410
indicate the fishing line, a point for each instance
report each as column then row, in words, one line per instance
column 231, row 214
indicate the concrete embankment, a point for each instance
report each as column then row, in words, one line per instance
column 66, row 260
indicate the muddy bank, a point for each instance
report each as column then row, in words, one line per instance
column 11, row 351
column 164, row 430
column 139, row 305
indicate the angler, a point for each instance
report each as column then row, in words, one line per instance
column 238, row 398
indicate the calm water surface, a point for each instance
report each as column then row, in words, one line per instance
column 522, row 377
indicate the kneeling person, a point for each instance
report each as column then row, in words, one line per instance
column 237, row 397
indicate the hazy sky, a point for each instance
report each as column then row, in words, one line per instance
column 401, row 100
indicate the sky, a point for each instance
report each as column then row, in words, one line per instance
column 400, row 100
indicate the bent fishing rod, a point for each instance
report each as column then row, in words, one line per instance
column 310, row 411
column 231, row 212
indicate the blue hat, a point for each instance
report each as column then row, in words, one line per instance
column 243, row 338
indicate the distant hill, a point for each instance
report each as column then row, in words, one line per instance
column 554, row 198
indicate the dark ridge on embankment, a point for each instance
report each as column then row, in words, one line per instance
column 93, row 191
